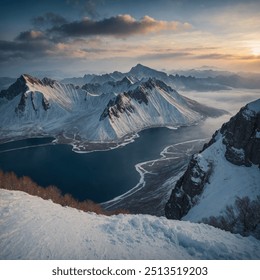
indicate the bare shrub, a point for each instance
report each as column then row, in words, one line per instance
column 10, row 181
column 242, row 218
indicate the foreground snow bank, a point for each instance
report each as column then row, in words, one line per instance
column 32, row 228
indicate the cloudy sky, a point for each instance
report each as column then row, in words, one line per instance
column 74, row 37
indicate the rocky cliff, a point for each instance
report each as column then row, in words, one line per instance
column 239, row 140
column 242, row 137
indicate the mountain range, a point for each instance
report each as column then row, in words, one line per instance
column 225, row 78
column 100, row 112
column 197, row 80
column 193, row 79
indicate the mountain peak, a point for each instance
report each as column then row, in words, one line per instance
column 31, row 80
column 254, row 106
column 19, row 86
column 139, row 67
column 142, row 71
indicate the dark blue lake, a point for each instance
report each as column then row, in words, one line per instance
column 99, row 176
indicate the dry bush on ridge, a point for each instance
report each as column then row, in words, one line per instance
column 242, row 218
column 10, row 181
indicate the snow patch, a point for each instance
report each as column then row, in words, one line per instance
column 239, row 152
column 202, row 162
column 248, row 114
column 254, row 106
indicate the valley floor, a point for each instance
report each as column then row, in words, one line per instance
column 157, row 179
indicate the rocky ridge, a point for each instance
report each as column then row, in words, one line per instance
column 241, row 139
column 241, row 135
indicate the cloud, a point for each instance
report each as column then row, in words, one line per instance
column 165, row 55
column 118, row 26
column 9, row 46
column 48, row 19
column 183, row 53
column 227, row 56
column 30, row 35
column 215, row 56
column 25, row 49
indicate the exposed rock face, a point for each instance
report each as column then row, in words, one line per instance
column 48, row 82
column 188, row 188
column 20, row 87
column 30, row 97
column 45, row 103
column 241, row 136
column 22, row 103
column 15, row 89
column 92, row 87
column 109, row 86
column 155, row 82
column 125, row 80
column 120, row 104
column 139, row 94
column 32, row 80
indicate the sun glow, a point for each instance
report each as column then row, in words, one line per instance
column 255, row 48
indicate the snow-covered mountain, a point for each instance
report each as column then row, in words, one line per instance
column 103, row 113
column 226, row 168
column 137, row 73
column 123, row 85
column 197, row 80
column 33, row 228
column 141, row 71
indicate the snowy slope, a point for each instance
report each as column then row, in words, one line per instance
column 46, row 106
column 151, row 105
column 25, row 113
column 127, row 83
column 227, row 168
column 32, row 228
column 227, row 182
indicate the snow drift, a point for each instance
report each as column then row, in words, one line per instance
column 32, row 228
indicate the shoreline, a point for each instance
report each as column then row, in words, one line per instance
column 149, row 172
column 80, row 145
column 156, row 179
